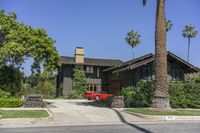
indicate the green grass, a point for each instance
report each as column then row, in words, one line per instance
column 23, row 113
column 178, row 112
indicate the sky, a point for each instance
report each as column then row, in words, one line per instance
column 100, row 26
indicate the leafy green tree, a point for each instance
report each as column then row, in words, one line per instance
column 79, row 83
column 133, row 39
column 18, row 42
column 189, row 32
column 161, row 95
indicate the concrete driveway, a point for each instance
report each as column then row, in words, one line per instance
column 84, row 112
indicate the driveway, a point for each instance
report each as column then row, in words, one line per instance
column 84, row 112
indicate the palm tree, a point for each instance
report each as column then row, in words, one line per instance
column 161, row 94
column 133, row 38
column 189, row 32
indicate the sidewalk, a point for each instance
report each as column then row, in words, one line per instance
column 83, row 112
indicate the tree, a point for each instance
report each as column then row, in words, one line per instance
column 161, row 94
column 133, row 38
column 79, row 83
column 18, row 42
column 189, row 32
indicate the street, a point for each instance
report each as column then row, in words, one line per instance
column 190, row 127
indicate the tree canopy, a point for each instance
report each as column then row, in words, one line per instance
column 133, row 39
column 189, row 31
column 18, row 42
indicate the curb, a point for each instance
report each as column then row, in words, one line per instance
column 49, row 118
column 165, row 117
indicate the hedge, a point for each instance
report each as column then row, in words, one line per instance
column 182, row 95
column 185, row 95
column 10, row 103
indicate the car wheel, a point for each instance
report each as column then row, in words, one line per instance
column 97, row 98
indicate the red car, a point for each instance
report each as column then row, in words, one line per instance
column 99, row 95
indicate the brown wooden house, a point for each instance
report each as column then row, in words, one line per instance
column 111, row 75
column 130, row 72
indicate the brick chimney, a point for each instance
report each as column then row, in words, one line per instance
column 79, row 55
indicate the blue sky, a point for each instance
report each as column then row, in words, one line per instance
column 100, row 26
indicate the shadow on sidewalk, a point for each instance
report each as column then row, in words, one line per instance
column 130, row 124
column 97, row 104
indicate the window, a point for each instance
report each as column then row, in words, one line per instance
column 92, row 88
column 181, row 75
column 141, row 73
column 177, row 75
column 144, row 73
column 98, row 72
column 89, row 69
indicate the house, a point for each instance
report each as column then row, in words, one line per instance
column 111, row 75
column 143, row 68
column 92, row 67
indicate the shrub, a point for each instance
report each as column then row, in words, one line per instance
column 128, row 93
column 182, row 95
column 11, row 81
column 138, row 96
column 177, row 95
column 10, row 103
column 46, row 88
column 26, row 89
column 4, row 94
column 185, row 95
column 145, row 91
column 74, row 95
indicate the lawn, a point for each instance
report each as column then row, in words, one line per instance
column 178, row 112
column 23, row 113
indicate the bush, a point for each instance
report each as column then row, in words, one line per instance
column 4, row 94
column 74, row 95
column 138, row 96
column 182, row 95
column 10, row 103
column 11, row 81
column 145, row 91
column 128, row 93
column 185, row 95
column 46, row 88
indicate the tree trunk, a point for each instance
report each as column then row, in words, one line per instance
column 188, row 56
column 133, row 52
column 161, row 94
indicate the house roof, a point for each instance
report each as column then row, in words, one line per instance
column 132, row 64
column 91, row 61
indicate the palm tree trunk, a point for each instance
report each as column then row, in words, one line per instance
column 161, row 94
column 133, row 52
column 188, row 56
